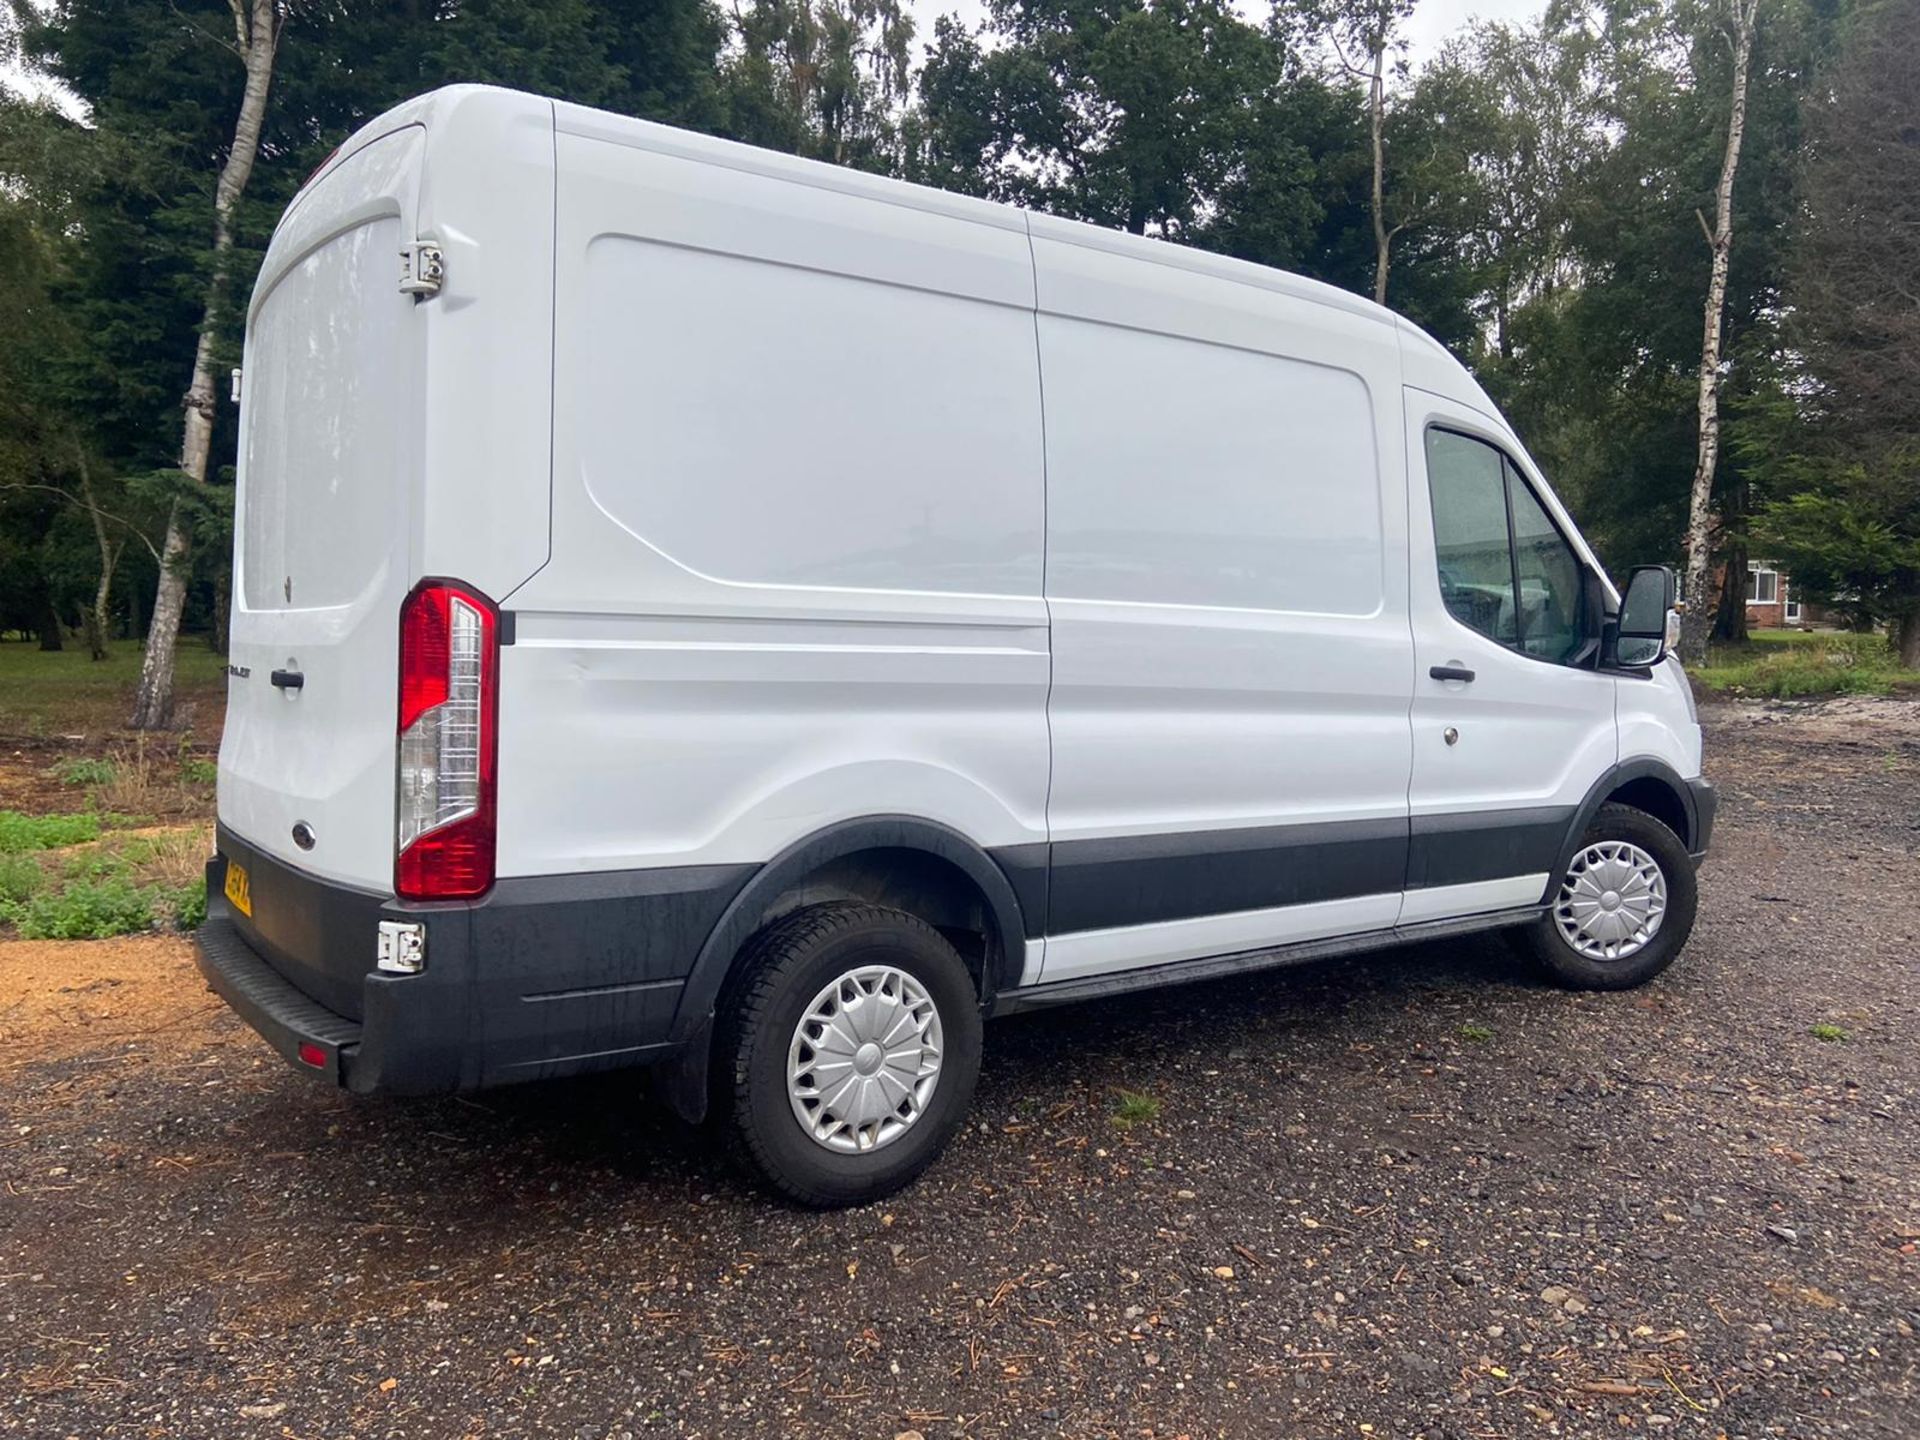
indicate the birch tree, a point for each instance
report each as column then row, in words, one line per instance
column 256, row 27
column 1361, row 33
column 1697, row 623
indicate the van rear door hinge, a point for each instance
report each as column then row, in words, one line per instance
column 422, row 268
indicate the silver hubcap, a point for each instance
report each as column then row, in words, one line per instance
column 865, row 1059
column 1612, row 901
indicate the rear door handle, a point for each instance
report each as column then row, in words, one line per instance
column 1438, row 672
column 294, row 679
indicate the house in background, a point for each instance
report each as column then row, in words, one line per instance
column 1771, row 604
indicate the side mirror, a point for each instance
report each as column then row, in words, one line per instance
column 1644, row 630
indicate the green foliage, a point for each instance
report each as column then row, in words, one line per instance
column 1791, row 667
column 1827, row 1033
column 1853, row 544
column 1543, row 184
column 20, row 877
column 821, row 78
column 1132, row 1108
column 1477, row 1034
column 20, row 833
column 188, row 904
column 85, row 909
column 198, row 770
column 83, row 770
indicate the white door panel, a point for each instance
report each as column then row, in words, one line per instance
column 1226, row 580
column 797, row 517
column 1520, row 744
column 327, row 494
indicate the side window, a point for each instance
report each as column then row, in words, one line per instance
column 1470, row 539
column 1549, row 575
column 1505, row 568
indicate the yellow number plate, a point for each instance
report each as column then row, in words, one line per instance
column 238, row 889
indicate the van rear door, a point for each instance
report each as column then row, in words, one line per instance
column 329, row 459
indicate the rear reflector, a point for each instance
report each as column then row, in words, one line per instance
column 312, row 1054
column 449, row 688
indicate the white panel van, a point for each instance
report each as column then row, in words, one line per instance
column 705, row 610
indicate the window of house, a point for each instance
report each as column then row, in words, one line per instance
column 1763, row 585
column 1505, row 568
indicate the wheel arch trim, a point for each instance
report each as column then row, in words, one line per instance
column 1624, row 773
column 755, row 904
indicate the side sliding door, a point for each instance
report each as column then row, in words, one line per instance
column 1226, row 574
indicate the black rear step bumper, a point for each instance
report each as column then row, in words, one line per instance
column 284, row 1016
column 545, row 976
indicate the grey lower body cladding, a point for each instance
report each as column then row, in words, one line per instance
column 549, row 976
column 545, row 976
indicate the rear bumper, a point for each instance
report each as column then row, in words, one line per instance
column 1706, row 804
column 543, row 977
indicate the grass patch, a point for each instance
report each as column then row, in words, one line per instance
column 102, row 884
column 1478, row 1034
column 1789, row 664
column 20, row 878
column 1830, row 1034
column 1131, row 1108
column 21, row 833
column 87, row 909
column 66, row 693
column 155, row 778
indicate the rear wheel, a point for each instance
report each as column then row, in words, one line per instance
column 853, row 1041
column 1624, row 907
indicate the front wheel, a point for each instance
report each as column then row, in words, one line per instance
column 853, row 1042
column 1624, row 907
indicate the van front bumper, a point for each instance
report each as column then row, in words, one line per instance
column 542, row 977
column 1706, row 804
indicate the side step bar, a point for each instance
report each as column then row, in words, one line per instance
column 1245, row 962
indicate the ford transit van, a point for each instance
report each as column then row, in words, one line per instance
column 700, row 609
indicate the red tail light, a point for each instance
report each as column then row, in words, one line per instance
column 449, row 701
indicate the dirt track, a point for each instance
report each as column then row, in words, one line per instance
column 1420, row 1194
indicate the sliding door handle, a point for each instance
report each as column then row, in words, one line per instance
column 1450, row 672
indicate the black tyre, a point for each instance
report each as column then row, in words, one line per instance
column 1623, row 910
column 850, row 1044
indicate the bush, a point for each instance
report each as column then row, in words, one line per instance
column 20, row 877
column 83, row 770
column 189, row 905
column 83, row 910
column 19, row 833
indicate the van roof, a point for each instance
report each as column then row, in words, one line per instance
column 1430, row 365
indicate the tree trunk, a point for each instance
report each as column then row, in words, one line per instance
column 1907, row 639
column 1730, row 624
column 96, row 618
column 1698, row 619
column 49, row 628
column 256, row 23
column 1377, row 104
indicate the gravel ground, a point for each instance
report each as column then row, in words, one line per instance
column 1419, row 1195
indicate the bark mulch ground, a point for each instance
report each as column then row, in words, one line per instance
column 1415, row 1195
